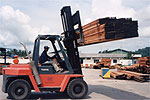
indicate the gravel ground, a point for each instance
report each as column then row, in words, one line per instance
column 101, row 89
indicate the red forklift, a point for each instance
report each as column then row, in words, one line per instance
column 20, row 79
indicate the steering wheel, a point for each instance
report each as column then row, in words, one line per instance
column 59, row 60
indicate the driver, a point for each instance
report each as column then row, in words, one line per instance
column 44, row 58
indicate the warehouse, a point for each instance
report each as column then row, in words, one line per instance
column 92, row 58
column 116, row 58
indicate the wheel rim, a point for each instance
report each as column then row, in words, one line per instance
column 78, row 89
column 19, row 91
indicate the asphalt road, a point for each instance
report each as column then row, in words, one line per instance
column 101, row 89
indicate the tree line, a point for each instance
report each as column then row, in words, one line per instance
column 11, row 52
column 143, row 51
column 20, row 53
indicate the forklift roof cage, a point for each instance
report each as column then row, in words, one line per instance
column 51, row 38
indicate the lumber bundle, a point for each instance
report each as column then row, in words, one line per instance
column 106, row 62
column 117, row 75
column 82, row 66
column 3, row 65
column 139, row 69
column 0, row 70
column 143, row 66
column 136, row 72
column 109, row 29
column 135, row 68
column 103, row 63
column 91, row 66
column 143, row 61
column 122, row 74
column 136, row 76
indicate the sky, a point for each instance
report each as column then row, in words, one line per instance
column 23, row 20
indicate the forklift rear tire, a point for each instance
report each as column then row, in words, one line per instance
column 19, row 89
column 77, row 89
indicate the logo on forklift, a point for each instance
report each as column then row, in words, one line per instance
column 44, row 69
column 49, row 79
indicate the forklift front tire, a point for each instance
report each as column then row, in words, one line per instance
column 77, row 89
column 19, row 89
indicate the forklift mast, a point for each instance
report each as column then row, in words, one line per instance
column 69, row 22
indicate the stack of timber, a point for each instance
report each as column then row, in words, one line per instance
column 86, row 65
column 135, row 76
column 137, row 68
column 82, row 66
column 118, row 75
column 0, row 70
column 122, row 74
column 109, row 29
column 3, row 65
column 143, row 66
column 118, row 66
column 91, row 66
column 105, row 62
column 143, row 61
column 135, row 72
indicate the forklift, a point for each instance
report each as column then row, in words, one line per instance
column 20, row 79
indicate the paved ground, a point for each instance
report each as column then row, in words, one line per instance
column 102, row 89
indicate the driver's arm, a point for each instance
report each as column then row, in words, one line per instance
column 51, row 57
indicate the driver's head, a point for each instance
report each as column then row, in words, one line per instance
column 46, row 48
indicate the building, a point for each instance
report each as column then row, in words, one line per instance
column 133, row 56
column 118, row 56
column 92, row 58
column 119, row 51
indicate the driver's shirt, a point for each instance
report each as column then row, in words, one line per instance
column 44, row 57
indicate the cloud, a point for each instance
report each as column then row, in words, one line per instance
column 144, row 21
column 15, row 27
column 111, row 8
column 117, row 8
column 20, row 22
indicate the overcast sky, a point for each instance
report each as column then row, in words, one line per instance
column 23, row 20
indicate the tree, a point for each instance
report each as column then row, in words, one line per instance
column 105, row 51
column 144, row 51
column 99, row 52
column 129, row 56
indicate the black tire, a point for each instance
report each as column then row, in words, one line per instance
column 19, row 89
column 77, row 89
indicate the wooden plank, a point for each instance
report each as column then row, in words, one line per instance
column 91, row 24
column 118, row 75
column 98, row 26
column 113, row 75
column 133, row 73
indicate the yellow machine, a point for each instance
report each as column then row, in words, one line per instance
column 105, row 73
